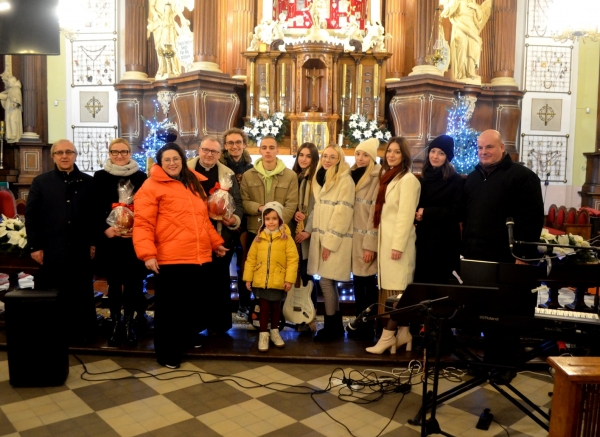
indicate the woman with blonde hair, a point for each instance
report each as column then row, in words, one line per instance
column 115, row 256
column 331, row 239
column 365, row 174
column 395, row 207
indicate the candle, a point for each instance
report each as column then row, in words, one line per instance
column 376, row 82
column 341, row 140
column 344, row 81
column 251, row 80
column 267, row 68
column 282, row 81
column 359, row 82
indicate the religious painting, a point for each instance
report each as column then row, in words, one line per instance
column 315, row 132
column 297, row 14
column 546, row 114
column 93, row 107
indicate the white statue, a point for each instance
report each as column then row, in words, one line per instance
column 375, row 37
column 316, row 10
column 161, row 21
column 266, row 32
column 468, row 19
column 12, row 102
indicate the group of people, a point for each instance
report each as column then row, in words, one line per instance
column 374, row 223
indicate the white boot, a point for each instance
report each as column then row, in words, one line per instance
column 403, row 337
column 386, row 341
column 263, row 341
column 276, row 338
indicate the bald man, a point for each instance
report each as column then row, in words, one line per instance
column 499, row 188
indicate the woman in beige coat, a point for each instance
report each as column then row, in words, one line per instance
column 365, row 174
column 331, row 239
column 395, row 208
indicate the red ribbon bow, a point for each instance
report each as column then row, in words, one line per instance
column 130, row 206
column 217, row 187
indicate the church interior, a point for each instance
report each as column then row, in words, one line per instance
column 415, row 69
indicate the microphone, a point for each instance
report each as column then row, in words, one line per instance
column 353, row 325
column 510, row 224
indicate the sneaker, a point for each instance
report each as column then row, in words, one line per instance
column 276, row 338
column 263, row 341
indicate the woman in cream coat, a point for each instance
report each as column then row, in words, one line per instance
column 394, row 216
column 331, row 240
column 365, row 174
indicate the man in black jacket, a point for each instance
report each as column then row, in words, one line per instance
column 499, row 188
column 59, row 234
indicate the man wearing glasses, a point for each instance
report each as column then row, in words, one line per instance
column 59, row 237
column 218, row 316
column 236, row 157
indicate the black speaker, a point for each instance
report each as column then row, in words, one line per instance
column 38, row 351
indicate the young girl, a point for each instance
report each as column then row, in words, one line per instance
column 270, row 271
column 365, row 174
column 331, row 240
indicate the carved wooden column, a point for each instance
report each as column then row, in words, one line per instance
column 425, row 15
column 206, row 35
column 394, row 25
column 136, row 49
column 234, row 41
column 31, row 80
column 503, row 59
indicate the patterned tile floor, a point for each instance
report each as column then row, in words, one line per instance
column 133, row 396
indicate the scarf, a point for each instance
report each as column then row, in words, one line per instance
column 387, row 177
column 121, row 170
column 432, row 173
column 304, row 198
column 321, row 176
column 357, row 173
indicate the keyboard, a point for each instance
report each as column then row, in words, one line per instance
column 569, row 316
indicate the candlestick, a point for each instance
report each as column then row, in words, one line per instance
column 344, row 81
column 251, row 80
column 359, row 83
column 376, row 82
column 267, row 68
column 282, row 81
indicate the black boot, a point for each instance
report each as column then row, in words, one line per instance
column 332, row 330
column 130, row 337
column 116, row 335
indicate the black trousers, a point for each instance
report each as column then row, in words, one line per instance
column 179, row 293
column 217, row 294
column 365, row 292
column 74, row 281
column 127, row 292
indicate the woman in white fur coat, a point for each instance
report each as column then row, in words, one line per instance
column 331, row 240
column 395, row 208
column 365, row 174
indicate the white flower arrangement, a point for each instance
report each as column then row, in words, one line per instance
column 274, row 124
column 12, row 234
column 360, row 129
column 578, row 255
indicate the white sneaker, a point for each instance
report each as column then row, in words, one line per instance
column 263, row 341
column 276, row 338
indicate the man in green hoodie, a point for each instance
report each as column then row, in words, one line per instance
column 268, row 181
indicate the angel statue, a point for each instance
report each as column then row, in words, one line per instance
column 12, row 102
column 375, row 37
column 468, row 19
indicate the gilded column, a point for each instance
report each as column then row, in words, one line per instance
column 136, row 48
column 503, row 59
column 205, row 17
column 424, row 20
column 240, row 22
column 394, row 25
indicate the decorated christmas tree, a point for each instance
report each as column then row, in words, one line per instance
column 158, row 136
column 465, row 138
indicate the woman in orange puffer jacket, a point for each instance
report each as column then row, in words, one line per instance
column 173, row 235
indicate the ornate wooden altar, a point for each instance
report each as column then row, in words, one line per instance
column 201, row 103
column 317, row 86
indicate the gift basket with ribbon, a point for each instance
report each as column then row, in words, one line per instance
column 121, row 216
column 220, row 201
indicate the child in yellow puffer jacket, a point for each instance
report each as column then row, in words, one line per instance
column 270, row 271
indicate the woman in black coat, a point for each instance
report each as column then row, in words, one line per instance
column 115, row 256
column 438, row 228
